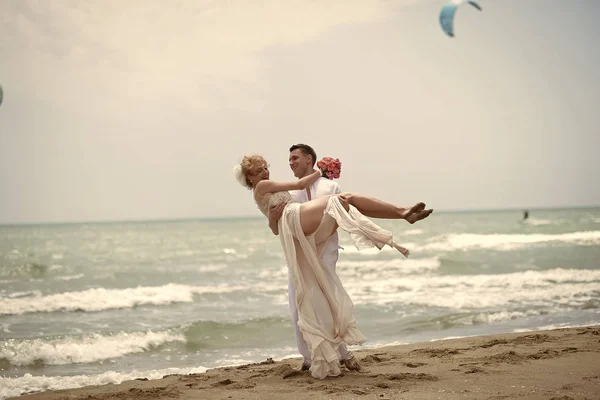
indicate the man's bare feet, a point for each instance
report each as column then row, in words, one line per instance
column 304, row 367
column 351, row 363
column 418, row 216
column 417, row 208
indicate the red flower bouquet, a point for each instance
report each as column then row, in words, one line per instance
column 330, row 167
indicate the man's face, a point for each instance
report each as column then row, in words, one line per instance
column 300, row 163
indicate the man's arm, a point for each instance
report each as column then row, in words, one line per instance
column 268, row 186
column 337, row 190
column 275, row 213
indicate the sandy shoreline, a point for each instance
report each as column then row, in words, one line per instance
column 560, row 364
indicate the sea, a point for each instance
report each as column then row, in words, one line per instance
column 97, row 303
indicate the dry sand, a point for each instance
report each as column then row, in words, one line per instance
column 560, row 364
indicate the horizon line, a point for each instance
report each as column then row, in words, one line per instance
column 250, row 217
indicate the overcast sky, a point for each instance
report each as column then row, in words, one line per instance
column 139, row 109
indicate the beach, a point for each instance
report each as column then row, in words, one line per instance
column 560, row 364
column 96, row 304
column 136, row 261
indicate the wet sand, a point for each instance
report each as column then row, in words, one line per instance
column 562, row 364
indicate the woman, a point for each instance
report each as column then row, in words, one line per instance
column 324, row 308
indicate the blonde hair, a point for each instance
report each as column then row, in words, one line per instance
column 248, row 161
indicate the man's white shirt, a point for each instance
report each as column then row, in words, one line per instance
column 321, row 187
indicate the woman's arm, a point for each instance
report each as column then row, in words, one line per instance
column 264, row 187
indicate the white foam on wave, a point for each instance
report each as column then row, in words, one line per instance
column 556, row 287
column 562, row 325
column 85, row 349
column 494, row 241
column 499, row 316
column 537, row 222
column 401, row 265
column 464, row 241
column 413, row 232
column 349, row 248
column 70, row 277
column 15, row 295
column 100, row 299
column 28, row 383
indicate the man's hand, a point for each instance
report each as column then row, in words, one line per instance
column 344, row 202
column 275, row 213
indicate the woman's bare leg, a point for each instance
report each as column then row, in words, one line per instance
column 311, row 212
column 375, row 208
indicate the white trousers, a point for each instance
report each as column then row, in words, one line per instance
column 328, row 246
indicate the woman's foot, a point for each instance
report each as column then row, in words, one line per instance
column 405, row 252
column 411, row 219
column 417, row 208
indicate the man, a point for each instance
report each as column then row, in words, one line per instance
column 302, row 160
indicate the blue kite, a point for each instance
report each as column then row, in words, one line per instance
column 448, row 12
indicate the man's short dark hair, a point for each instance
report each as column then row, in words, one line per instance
column 306, row 150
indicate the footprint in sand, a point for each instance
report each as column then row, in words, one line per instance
column 527, row 339
column 589, row 331
column 374, row 358
column 544, row 355
column 223, row 382
column 414, row 365
column 509, row 357
column 570, row 350
column 474, row 370
column 404, row 376
column 436, row 352
column 245, row 384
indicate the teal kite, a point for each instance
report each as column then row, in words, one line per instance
column 448, row 12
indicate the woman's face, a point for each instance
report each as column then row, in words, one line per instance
column 258, row 172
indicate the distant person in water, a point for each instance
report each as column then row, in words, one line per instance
column 525, row 214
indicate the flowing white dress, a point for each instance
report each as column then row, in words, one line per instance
column 325, row 311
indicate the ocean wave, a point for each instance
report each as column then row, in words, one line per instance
column 538, row 222
column 557, row 287
column 413, row 232
column 26, row 270
column 492, row 241
column 402, row 265
column 28, row 383
column 562, row 325
column 100, row 299
column 472, row 318
column 350, row 249
column 26, row 293
column 231, row 334
column 464, row 241
column 69, row 277
column 84, row 349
